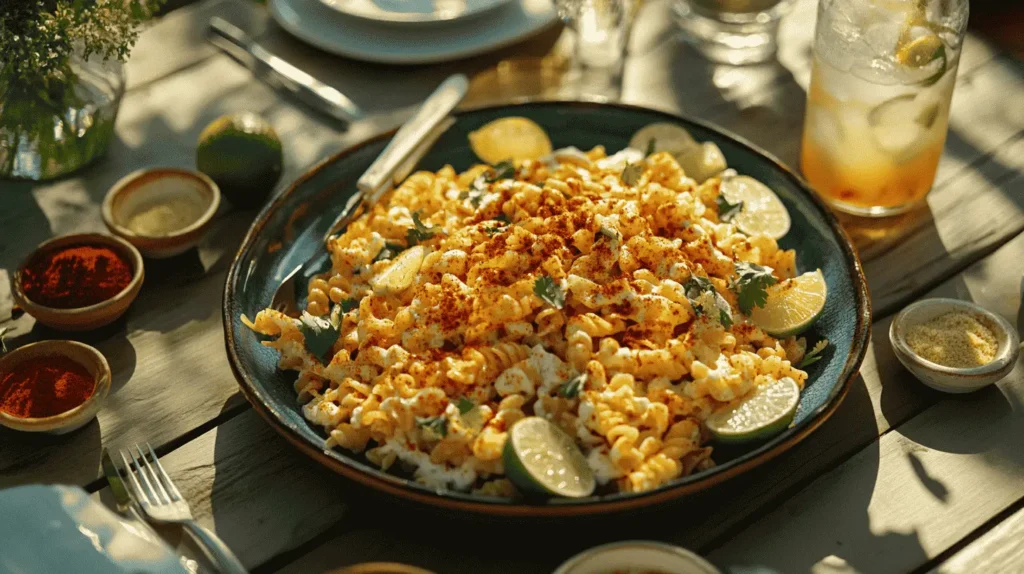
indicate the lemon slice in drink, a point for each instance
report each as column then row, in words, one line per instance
column 541, row 458
column 762, row 212
column 792, row 305
column 924, row 51
column 513, row 138
column 768, row 411
column 401, row 273
column 663, row 136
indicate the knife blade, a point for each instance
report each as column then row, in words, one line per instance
column 278, row 72
column 117, row 488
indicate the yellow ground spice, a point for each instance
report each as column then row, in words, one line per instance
column 956, row 339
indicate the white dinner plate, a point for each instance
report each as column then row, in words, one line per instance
column 313, row 22
column 413, row 11
column 45, row 528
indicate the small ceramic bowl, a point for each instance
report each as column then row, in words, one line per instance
column 637, row 555
column 92, row 316
column 950, row 379
column 147, row 190
column 65, row 422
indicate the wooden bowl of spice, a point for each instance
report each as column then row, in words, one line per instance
column 79, row 282
column 161, row 211
column 954, row 346
column 52, row 386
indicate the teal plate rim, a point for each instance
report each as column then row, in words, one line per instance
column 356, row 468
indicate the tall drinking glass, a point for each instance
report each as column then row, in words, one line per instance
column 878, row 104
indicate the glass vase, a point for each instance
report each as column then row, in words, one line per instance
column 48, row 132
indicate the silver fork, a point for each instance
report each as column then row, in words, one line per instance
column 408, row 145
column 161, row 501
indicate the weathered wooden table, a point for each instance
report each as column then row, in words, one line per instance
column 899, row 479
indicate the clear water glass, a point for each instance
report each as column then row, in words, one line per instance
column 882, row 79
column 602, row 36
column 736, row 32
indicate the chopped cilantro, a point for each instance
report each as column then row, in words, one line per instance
column 436, row 425
column 697, row 285
column 389, row 251
column 631, row 174
column 751, row 286
column 502, row 170
column 727, row 211
column 464, row 405
column 814, row 355
column 650, row 147
column 349, row 304
column 419, row 232
column 549, row 291
column 320, row 334
column 571, row 389
column 504, row 218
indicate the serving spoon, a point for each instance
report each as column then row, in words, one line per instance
column 399, row 158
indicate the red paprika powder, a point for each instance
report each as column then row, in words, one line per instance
column 45, row 386
column 75, row 276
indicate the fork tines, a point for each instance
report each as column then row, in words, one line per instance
column 156, row 486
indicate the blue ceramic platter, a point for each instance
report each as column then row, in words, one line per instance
column 288, row 230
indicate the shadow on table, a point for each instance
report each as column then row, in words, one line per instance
column 28, row 457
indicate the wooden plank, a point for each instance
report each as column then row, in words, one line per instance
column 924, row 485
column 215, row 474
column 170, row 370
column 998, row 551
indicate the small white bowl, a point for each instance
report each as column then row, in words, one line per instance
column 637, row 555
column 65, row 422
column 149, row 187
column 950, row 379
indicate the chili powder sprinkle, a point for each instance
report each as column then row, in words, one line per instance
column 45, row 386
column 76, row 276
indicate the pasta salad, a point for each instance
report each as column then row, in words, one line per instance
column 608, row 294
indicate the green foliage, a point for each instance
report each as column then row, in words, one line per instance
column 37, row 38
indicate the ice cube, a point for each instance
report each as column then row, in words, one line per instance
column 825, row 128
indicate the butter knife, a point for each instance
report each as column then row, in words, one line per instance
column 279, row 73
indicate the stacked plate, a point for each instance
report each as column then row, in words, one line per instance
column 411, row 31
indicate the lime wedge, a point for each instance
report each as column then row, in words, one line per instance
column 539, row 457
column 512, row 138
column 663, row 137
column 762, row 213
column 702, row 162
column 401, row 273
column 763, row 414
column 792, row 306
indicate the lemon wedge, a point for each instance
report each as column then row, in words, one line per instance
column 663, row 136
column 401, row 273
column 792, row 305
column 514, row 138
column 763, row 212
column 702, row 162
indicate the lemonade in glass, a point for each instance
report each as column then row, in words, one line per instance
column 878, row 105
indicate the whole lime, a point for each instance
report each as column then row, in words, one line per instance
column 242, row 154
